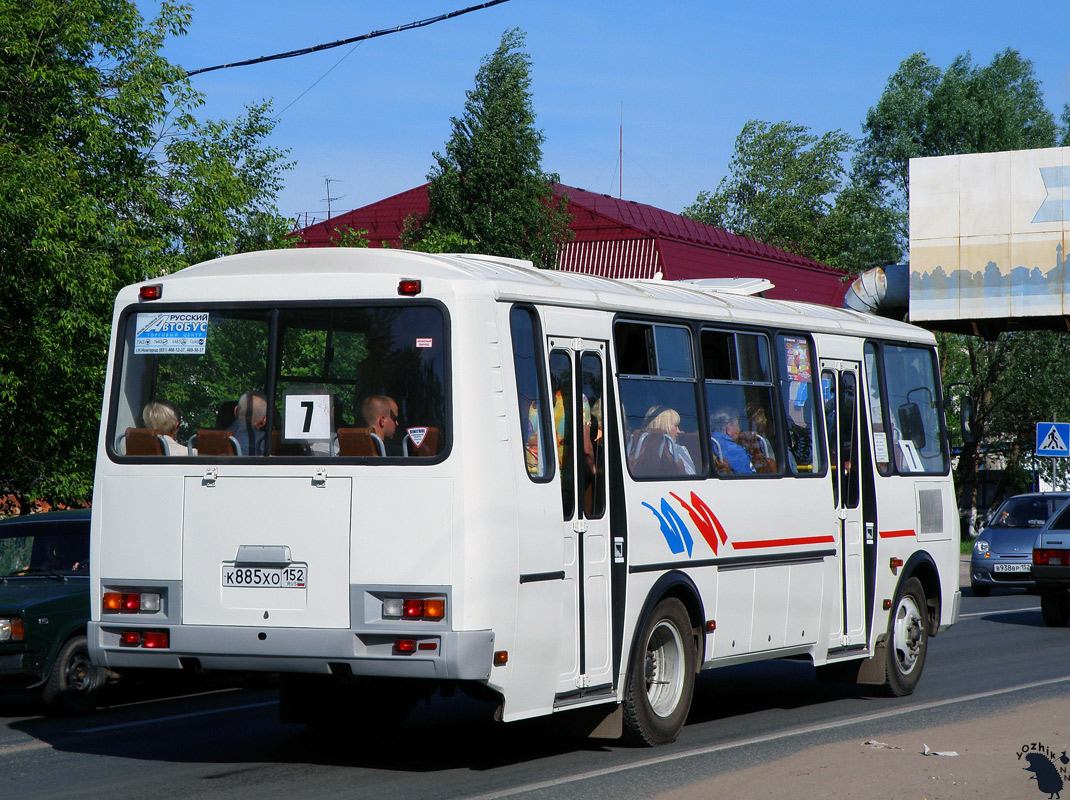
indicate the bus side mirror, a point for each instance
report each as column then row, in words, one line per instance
column 968, row 419
column 910, row 424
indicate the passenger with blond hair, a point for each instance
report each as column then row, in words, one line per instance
column 162, row 416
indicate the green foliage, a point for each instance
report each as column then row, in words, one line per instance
column 924, row 111
column 350, row 237
column 785, row 187
column 105, row 179
column 430, row 238
column 487, row 190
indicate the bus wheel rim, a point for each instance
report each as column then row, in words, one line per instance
column 907, row 634
column 665, row 668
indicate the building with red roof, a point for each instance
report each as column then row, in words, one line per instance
column 624, row 239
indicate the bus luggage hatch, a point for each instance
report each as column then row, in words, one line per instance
column 266, row 551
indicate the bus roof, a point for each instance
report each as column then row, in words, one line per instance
column 298, row 274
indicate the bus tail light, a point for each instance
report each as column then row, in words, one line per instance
column 131, row 602
column 405, row 646
column 414, row 608
column 427, row 608
column 408, row 288
column 1047, row 557
column 152, row 291
column 152, row 640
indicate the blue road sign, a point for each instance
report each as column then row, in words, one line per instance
column 1053, row 439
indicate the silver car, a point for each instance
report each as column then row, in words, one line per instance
column 1003, row 552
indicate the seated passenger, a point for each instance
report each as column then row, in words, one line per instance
column 655, row 451
column 163, row 416
column 381, row 415
column 250, row 419
column 724, row 435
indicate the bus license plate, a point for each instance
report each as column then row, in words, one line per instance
column 1011, row 567
column 294, row 576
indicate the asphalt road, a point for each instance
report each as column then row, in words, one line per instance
column 220, row 739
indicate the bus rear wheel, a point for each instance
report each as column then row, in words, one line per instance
column 908, row 640
column 661, row 676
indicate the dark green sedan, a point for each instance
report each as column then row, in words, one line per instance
column 44, row 608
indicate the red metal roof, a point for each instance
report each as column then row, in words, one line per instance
column 624, row 239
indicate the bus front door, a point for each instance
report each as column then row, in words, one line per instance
column 839, row 386
column 578, row 381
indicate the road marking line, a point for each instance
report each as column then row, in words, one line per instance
column 703, row 751
column 1003, row 611
column 173, row 717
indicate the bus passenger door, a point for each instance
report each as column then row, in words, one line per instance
column 578, row 382
column 839, row 387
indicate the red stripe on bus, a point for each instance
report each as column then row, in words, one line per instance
column 895, row 534
column 783, row 542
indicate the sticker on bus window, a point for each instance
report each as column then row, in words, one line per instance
column 171, row 332
column 425, row 341
column 417, row 435
column 307, row 416
column 797, row 358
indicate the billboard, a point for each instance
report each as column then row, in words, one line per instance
column 988, row 240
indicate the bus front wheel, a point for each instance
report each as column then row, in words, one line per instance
column 908, row 639
column 661, row 676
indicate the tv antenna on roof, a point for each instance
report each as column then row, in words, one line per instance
column 328, row 198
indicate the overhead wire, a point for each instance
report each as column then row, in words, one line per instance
column 363, row 37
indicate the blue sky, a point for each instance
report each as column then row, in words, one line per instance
column 687, row 75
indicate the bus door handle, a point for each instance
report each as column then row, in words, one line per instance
column 579, row 526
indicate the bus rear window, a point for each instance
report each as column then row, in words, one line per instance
column 362, row 382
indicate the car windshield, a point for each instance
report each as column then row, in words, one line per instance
column 44, row 549
column 1026, row 512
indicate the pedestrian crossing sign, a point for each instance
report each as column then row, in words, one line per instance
column 1053, row 439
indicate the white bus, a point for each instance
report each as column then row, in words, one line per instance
column 569, row 492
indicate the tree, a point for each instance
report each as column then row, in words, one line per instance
column 488, row 187
column 965, row 109
column 785, row 187
column 106, row 179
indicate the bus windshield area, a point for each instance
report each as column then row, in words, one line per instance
column 365, row 381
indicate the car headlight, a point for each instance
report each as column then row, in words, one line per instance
column 11, row 629
column 980, row 546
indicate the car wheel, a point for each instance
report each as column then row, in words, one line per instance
column 1055, row 609
column 74, row 684
column 980, row 590
column 907, row 641
column 661, row 676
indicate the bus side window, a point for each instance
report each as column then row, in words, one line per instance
column 744, row 432
column 659, row 399
column 531, row 393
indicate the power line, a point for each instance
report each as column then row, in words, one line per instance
column 315, row 49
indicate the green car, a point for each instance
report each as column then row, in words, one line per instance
column 44, row 608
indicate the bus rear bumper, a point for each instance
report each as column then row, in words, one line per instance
column 442, row 655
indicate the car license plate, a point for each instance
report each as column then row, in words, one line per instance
column 1012, row 567
column 294, row 576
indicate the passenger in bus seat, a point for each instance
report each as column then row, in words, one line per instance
column 250, row 418
column 381, row 415
column 724, row 436
column 655, row 450
column 163, row 416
